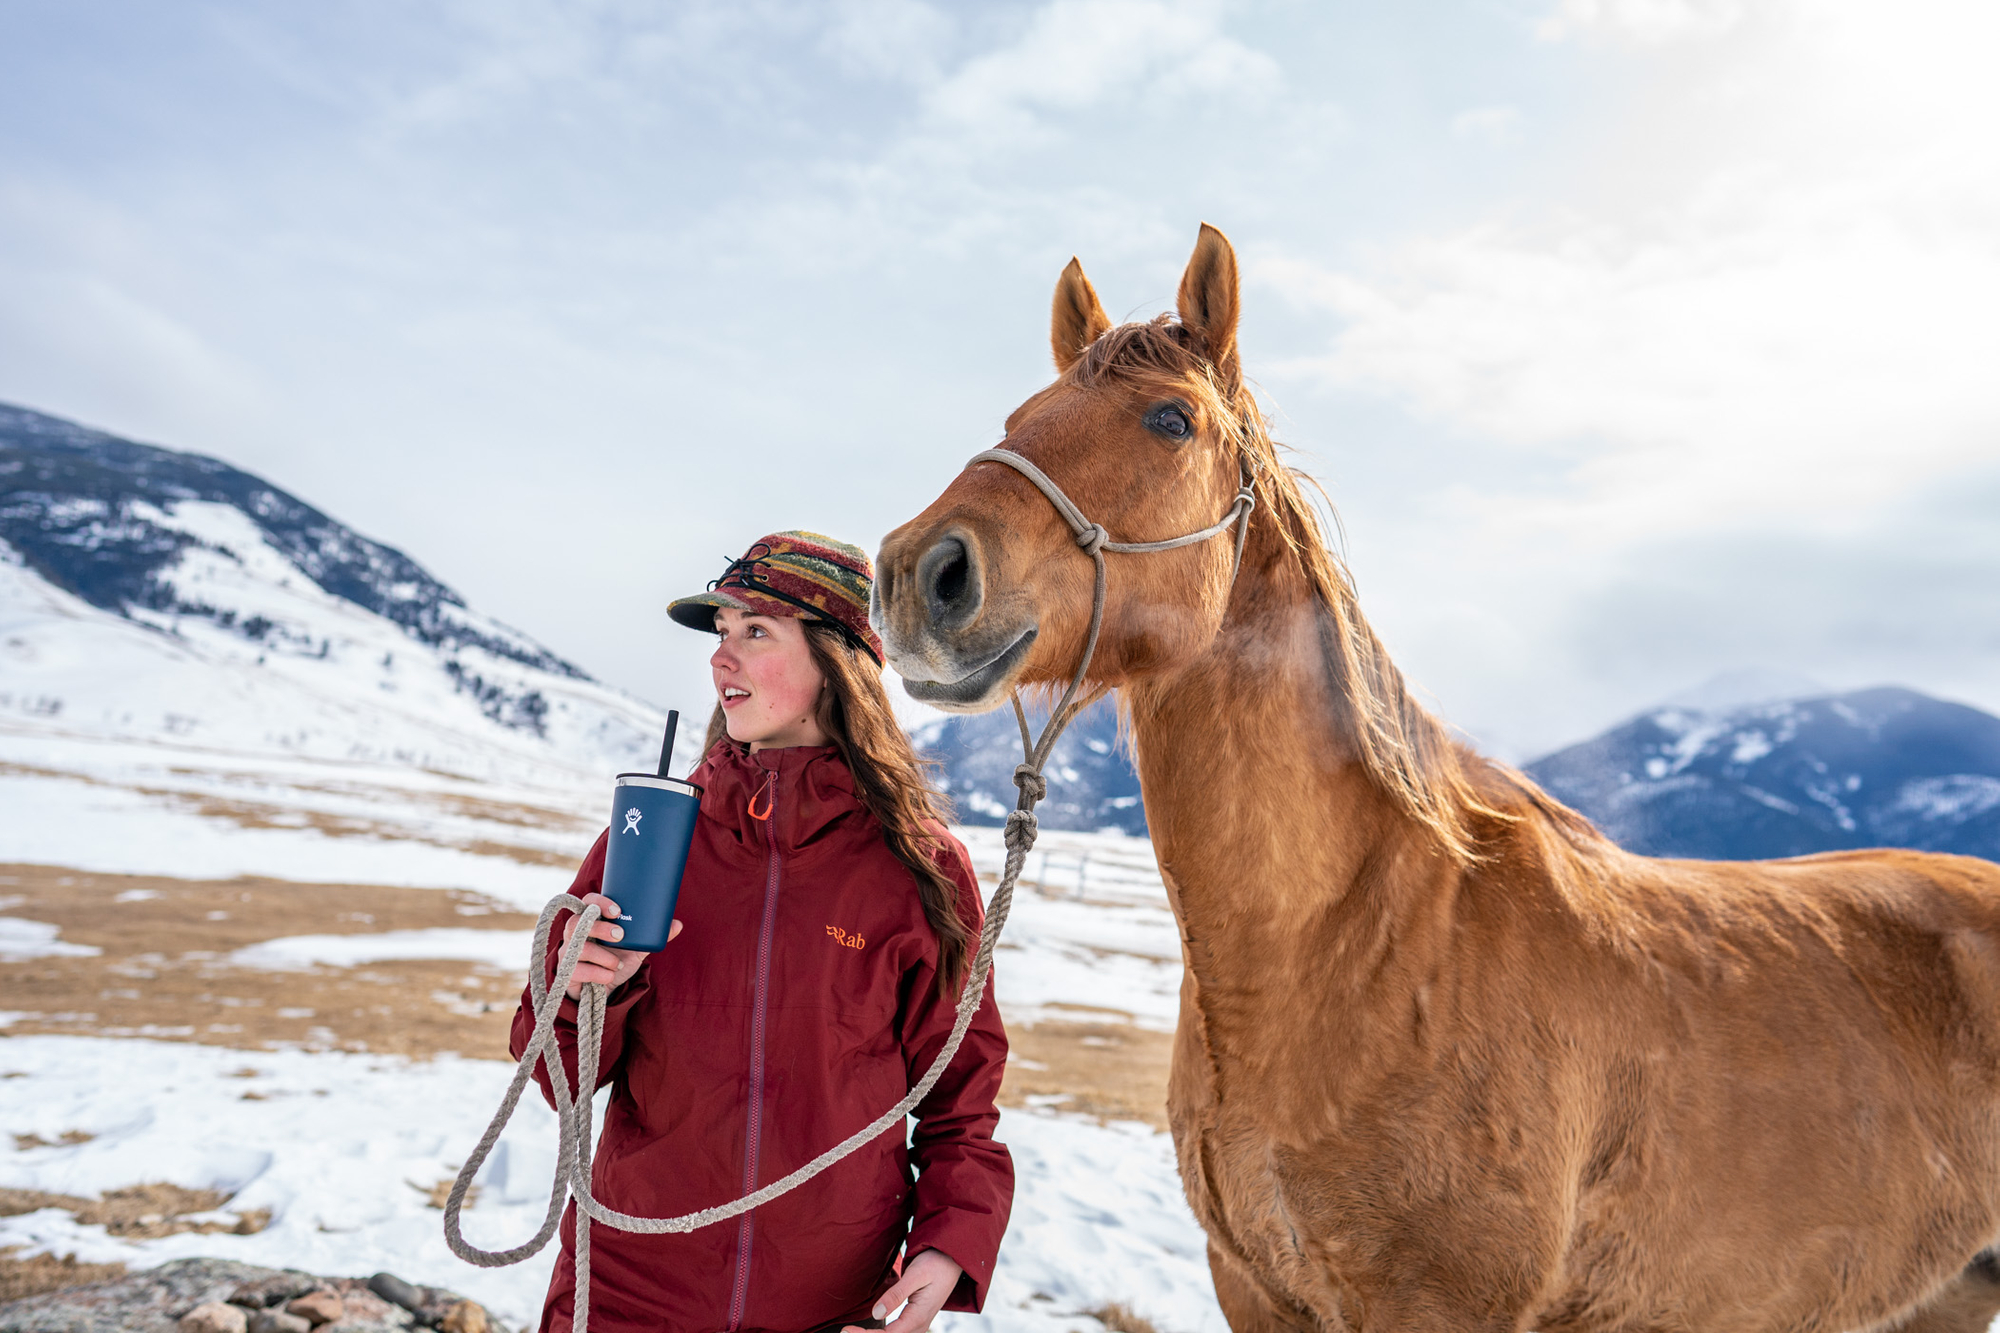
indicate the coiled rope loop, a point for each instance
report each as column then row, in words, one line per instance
column 573, row 1105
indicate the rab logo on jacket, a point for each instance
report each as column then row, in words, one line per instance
column 845, row 940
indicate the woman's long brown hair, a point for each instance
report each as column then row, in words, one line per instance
column 889, row 780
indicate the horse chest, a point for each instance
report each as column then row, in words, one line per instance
column 1334, row 1206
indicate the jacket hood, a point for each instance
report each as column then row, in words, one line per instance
column 806, row 790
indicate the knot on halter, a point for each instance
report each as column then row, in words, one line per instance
column 1092, row 538
column 1020, row 833
column 1032, row 784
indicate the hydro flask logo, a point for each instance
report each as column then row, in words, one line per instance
column 632, row 818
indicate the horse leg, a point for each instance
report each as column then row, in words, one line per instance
column 1246, row 1304
column 1967, row 1303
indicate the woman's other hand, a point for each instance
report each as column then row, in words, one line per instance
column 607, row 966
column 927, row 1282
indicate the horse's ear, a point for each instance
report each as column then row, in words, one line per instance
column 1208, row 300
column 1077, row 318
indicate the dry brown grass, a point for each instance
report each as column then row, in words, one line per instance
column 164, row 974
column 164, row 970
column 141, row 1212
column 1113, row 1071
column 439, row 1192
column 1120, row 1319
column 41, row 1273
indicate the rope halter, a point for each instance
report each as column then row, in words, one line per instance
column 1095, row 541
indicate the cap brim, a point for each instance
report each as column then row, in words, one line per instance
column 698, row 611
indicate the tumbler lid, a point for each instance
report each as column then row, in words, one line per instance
column 664, row 784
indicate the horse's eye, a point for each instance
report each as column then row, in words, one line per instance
column 1170, row 421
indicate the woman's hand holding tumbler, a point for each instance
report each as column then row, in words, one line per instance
column 608, row 966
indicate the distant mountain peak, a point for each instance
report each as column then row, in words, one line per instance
column 1743, row 687
column 1092, row 786
column 1886, row 766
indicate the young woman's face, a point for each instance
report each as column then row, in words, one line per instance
column 767, row 680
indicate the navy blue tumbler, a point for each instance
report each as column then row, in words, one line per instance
column 652, row 824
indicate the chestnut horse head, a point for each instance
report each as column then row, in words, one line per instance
column 1149, row 430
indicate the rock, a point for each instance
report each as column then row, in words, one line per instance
column 279, row 1321
column 465, row 1317
column 214, row 1317
column 397, row 1292
column 361, row 1307
column 429, row 1304
column 281, row 1286
column 154, row 1300
column 321, row 1307
column 151, row 1301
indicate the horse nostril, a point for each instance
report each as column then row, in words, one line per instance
column 947, row 578
column 950, row 577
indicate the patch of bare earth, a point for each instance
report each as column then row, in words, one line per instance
column 137, row 1212
column 1110, row 1070
column 164, row 973
column 143, row 1212
column 1121, row 1319
column 44, row 1272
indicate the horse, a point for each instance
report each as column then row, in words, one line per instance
column 1447, row 1058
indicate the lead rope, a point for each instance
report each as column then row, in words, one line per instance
column 546, row 993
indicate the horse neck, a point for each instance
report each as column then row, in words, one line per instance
column 1274, row 840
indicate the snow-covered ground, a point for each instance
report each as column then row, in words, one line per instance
column 343, row 1150
column 120, row 807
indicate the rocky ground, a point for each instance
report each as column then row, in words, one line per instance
column 221, row 1296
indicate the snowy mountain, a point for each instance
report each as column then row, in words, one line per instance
column 1726, row 771
column 1875, row 768
column 1092, row 786
column 156, row 597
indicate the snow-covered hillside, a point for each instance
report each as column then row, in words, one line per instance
column 181, row 631
column 148, row 595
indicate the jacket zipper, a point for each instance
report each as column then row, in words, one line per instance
column 759, row 1004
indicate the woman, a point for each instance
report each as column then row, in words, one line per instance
column 830, row 921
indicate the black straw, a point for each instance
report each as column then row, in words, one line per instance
column 667, row 745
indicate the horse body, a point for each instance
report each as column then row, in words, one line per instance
column 1447, row 1059
column 1561, row 1087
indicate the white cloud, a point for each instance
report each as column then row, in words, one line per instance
column 1488, row 124
column 1644, row 22
column 1706, row 401
column 901, row 40
column 1080, row 54
column 1788, row 331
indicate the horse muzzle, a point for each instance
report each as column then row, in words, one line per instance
column 952, row 647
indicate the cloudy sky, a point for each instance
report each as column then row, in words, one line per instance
column 1636, row 340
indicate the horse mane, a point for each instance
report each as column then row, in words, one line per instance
column 1449, row 790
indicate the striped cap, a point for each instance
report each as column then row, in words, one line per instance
column 802, row 574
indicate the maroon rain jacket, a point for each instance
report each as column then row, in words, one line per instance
column 799, row 1002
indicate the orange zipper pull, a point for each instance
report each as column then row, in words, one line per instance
column 772, row 791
